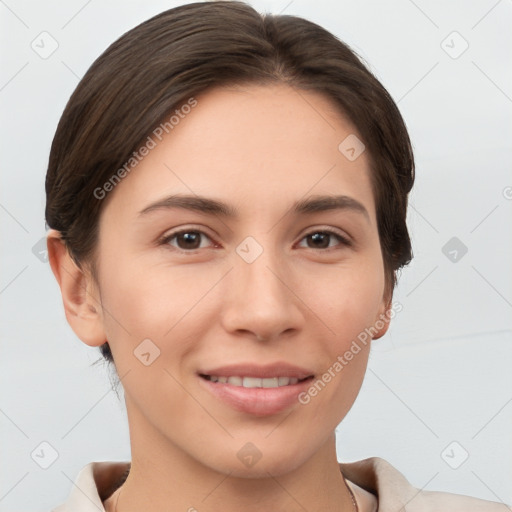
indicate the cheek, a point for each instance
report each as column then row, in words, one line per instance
column 344, row 356
column 348, row 298
column 147, row 321
column 349, row 307
column 146, row 301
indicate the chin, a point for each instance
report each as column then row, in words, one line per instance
column 260, row 461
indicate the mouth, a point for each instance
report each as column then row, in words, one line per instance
column 255, row 382
column 256, row 390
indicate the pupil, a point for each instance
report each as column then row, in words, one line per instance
column 190, row 237
column 320, row 237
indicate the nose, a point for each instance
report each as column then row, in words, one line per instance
column 261, row 300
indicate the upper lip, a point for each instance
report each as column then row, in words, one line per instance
column 278, row 369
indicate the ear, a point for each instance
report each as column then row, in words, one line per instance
column 383, row 318
column 80, row 297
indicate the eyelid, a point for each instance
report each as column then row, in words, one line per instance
column 344, row 238
column 164, row 239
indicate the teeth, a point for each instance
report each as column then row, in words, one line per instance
column 251, row 382
column 270, row 383
column 255, row 382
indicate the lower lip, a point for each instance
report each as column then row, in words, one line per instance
column 257, row 401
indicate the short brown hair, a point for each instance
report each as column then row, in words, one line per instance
column 158, row 65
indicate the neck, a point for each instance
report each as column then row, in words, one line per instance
column 162, row 477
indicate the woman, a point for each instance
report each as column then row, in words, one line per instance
column 264, row 145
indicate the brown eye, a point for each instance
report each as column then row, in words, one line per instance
column 189, row 240
column 186, row 240
column 323, row 239
column 319, row 240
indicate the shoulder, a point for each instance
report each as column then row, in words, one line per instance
column 432, row 500
column 93, row 484
column 394, row 492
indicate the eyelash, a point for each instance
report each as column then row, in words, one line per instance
column 344, row 242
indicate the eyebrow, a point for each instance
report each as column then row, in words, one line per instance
column 211, row 206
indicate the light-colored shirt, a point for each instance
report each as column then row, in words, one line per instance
column 377, row 485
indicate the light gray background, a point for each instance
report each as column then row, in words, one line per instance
column 442, row 373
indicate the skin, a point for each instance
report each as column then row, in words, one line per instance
column 258, row 149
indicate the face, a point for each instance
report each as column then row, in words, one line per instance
column 241, row 274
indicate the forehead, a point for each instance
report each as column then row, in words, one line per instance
column 274, row 142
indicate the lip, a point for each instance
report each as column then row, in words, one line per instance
column 278, row 369
column 257, row 401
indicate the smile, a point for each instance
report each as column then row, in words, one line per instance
column 254, row 382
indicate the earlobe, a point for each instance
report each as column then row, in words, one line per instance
column 79, row 296
column 383, row 318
